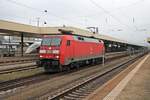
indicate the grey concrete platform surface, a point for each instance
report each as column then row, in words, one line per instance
column 138, row 88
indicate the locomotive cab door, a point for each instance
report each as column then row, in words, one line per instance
column 69, row 52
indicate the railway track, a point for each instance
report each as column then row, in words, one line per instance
column 11, row 70
column 24, row 81
column 109, row 56
column 114, row 53
column 17, row 62
column 87, row 86
column 4, row 61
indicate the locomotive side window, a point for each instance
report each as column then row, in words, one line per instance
column 68, row 42
column 80, row 38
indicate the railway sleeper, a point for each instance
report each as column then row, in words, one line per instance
column 69, row 98
column 81, row 94
column 75, row 97
column 77, row 93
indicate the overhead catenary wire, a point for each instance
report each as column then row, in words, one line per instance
column 41, row 11
column 118, row 8
column 132, row 4
column 108, row 13
column 49, row 13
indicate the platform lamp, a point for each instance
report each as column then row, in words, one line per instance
column 45, row 14
column 38, row 19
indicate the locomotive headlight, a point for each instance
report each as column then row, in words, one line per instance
column 42, row 51
column 55, row 51
column 41, row 56
column 57, row 57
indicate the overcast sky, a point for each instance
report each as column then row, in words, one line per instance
column 125, row 19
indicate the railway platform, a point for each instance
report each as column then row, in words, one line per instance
column 131, row 84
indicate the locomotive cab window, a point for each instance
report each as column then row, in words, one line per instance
column 51, row 41
column 68, row 42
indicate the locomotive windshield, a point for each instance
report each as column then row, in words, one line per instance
column 51, row 41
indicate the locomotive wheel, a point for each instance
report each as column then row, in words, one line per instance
column 71, row 65
column 60, row 68
column 77, row 65
column 93, row 61
column 67, row 68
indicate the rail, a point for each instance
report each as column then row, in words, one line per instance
column 11, row 70
column 84, row 86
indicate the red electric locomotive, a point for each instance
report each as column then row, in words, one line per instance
column 58, row 52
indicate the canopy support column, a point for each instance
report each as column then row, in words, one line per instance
column 22, row 43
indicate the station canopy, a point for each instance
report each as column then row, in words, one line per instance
column 13, row 28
